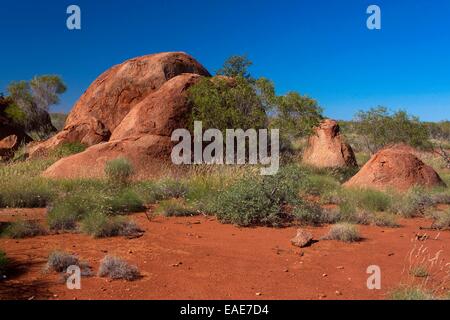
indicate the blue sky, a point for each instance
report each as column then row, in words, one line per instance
column 320, row 48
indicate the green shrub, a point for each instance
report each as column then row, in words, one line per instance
column 175, row 208
column 117, row 268
column 125, row 201
column 345, row 232
column 441, row 220
column 385, row 220
column 100, row 225
column 419, row 272
column 25, row 193
column 317, row 185
column 59, row 261
column 64, row 213
column 67, row 149
column 24, row 229
column 414, row 203
column 411, row 293
column 369, row 199
column 149, row 191
column 119, row 171
column 173, row 189
column 312, row 214
column 379, row 127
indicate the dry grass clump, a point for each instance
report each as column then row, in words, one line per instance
column 345, row 232
column 175, row 208
column 116, row 268
column 119, row 171
column 24, row 229
column 100, row 225
column 411, row 293
column 59, row 261
column 441, row 220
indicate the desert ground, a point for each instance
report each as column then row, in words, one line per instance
column 200, row 258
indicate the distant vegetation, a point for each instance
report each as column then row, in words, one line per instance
column 238, row 100
column 28, row 103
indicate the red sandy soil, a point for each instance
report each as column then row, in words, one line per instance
column 200, row 258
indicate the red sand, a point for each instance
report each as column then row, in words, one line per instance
column 199, row 258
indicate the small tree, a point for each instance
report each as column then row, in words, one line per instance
column 34, row 98
column 379, row 128
column 241, row 101
column 236, row 66
column 221, row 105
column 296, row 115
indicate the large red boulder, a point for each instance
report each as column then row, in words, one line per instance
column 327, row 148
column 115, row 93
column 143, row 136
column 395, row 168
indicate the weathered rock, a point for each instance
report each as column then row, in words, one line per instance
column 11, row 138
column 302, row 239
column 143, row 137
column 327, row 148
column 396, row 169
column 115, row 93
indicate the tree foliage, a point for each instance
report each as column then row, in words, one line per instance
column 379, row 128
column 235, row 99
column 236, row 66
column 34, row 99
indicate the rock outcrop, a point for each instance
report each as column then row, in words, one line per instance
column 11, row 138
column 116, row 92
column 327, row 148
column 397, row 169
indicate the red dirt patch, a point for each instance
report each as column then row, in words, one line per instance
column 199, row 258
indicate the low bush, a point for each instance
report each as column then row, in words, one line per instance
column 3, row 264
column 67, row 149
column 345, row 232
column 59, row 261
column 414, row 203
column 24, row 229
column 318, row 185
column 385, row 220
column 65, row 212
column 173, row 189
column 116, row 268
column 368, row 199
column 25, row 193
column 175, row 208
column 119, row 171
column 441, row 220
column 312, row 214
column 419, row 271
column 152, row 192
column 124, row 201
column 100, row 225
column 260, row 200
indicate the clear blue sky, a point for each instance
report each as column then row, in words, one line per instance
column 321, row 48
